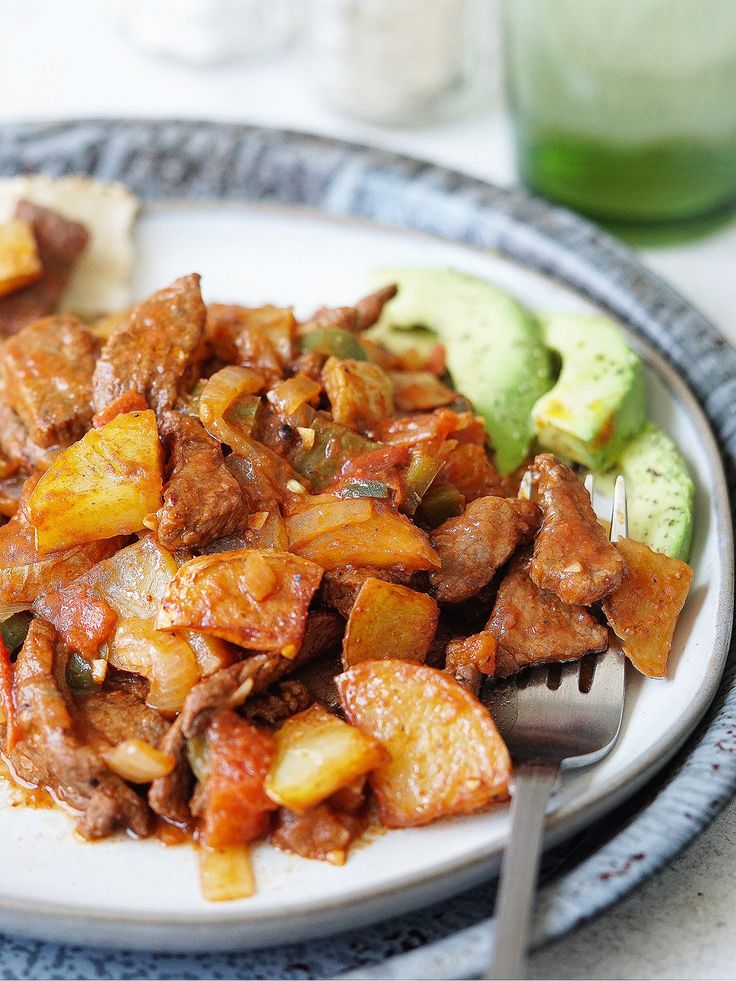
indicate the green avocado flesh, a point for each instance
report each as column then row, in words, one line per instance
column 495, row 347
column 659, row 492
column 599, row 401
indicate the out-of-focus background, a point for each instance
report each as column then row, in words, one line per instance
column 622, row 109
column 616, row 105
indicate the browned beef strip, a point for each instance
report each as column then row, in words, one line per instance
column 263, row 478
column 475, row 544
column 15, row 440
column 47, row 369
column 469, row 677
column 370, row 308
column 60, row 242
column 257, row 337
column 462, row 667
column 572, row 555
column 150, row 351
column 533, row 626
column 222, row 326
column 323, row 833
column 51, row 754
column 309, row 363
column 341, row 585
column 202, row 499
column 169, row 796
column 107, row 717
column 366, row 312
column 324, row 632
column 318, row 677
column 344, row 318
column 273, row 708
column 438, row 648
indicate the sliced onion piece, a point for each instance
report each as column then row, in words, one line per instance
column 219, row 394
column 322, row 514
column 10, row 609
column 165, row 659
column 198, row 755
column 211, row 653
column 290, row 395
column 226, row 873
column 134, row 580
column 139, row 761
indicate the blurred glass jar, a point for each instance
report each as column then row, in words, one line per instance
column 399, row 62
column 207, row 32
column 625, row 109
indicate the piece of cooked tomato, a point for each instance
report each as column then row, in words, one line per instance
column 237, row 807
column 83, row 622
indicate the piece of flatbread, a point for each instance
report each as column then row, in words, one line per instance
column 101, row 280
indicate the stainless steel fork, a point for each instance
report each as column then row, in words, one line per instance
column 552, row 717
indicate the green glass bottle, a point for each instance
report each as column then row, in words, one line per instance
column 625, row 109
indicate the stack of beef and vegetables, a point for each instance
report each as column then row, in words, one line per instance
column 254, row 570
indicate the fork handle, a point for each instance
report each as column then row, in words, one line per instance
column 532, row 786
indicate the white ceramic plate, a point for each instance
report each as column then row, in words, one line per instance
column 143, row 894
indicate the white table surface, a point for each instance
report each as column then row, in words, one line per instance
column 64, row 60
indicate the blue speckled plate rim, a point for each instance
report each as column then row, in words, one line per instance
column 192, row 159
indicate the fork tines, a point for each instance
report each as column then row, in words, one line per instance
column 619, row 527
column 554, row 673
column 525, row 487
column 619, row 515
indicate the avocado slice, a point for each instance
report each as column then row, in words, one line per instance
column 659, row 492
column 599, row 400
column 495, row 348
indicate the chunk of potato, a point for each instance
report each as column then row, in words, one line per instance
column 101, row 486
column 258, row 600
column 644, row 607
column 387, row 620
column 360, row 393
column 358, row 531
column 316, row 755
column 447, row 756
column 20, row 263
